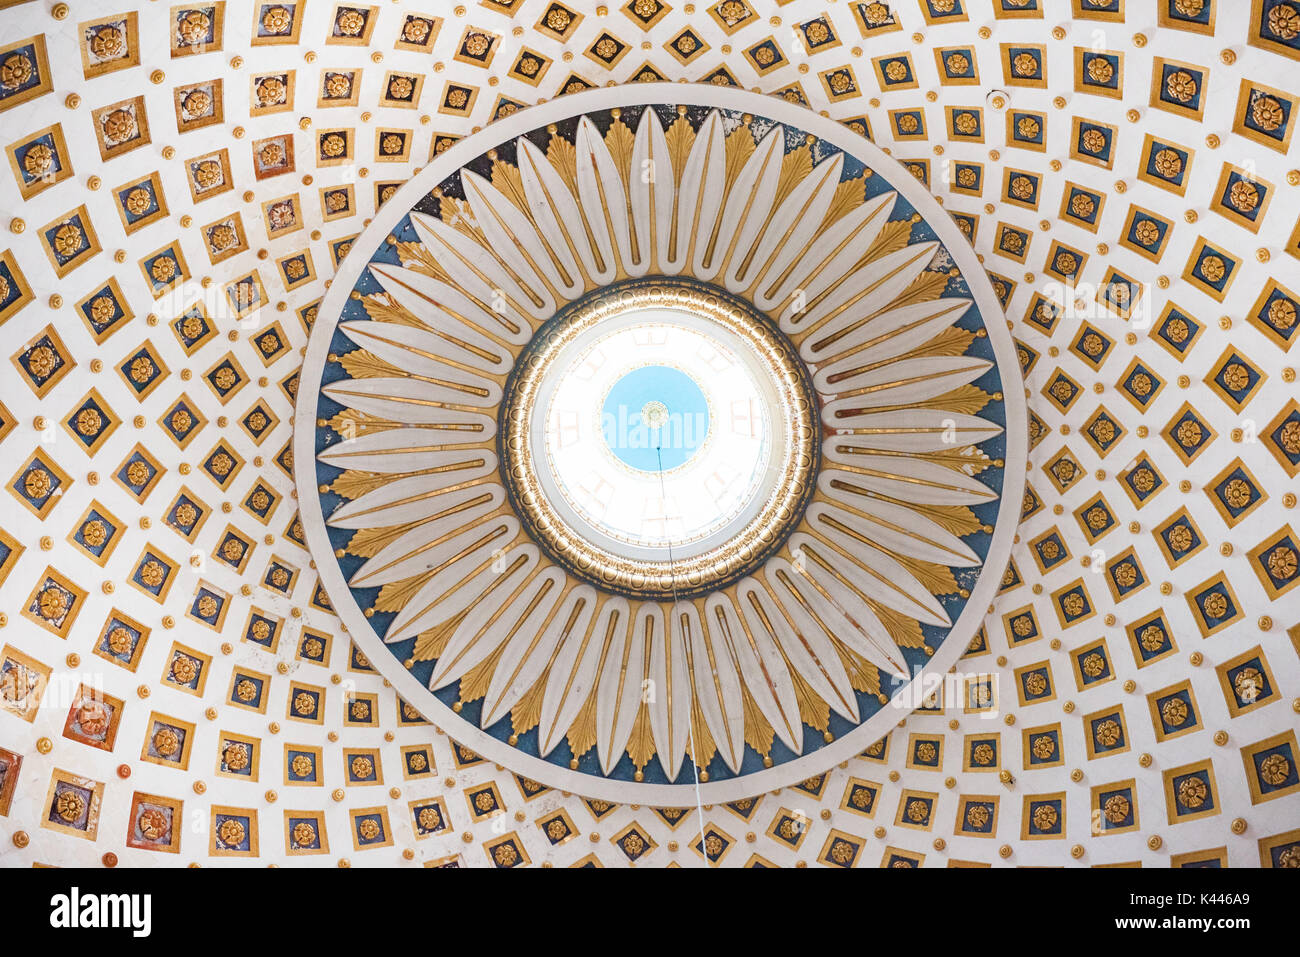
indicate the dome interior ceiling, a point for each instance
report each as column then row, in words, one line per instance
column 185, row 181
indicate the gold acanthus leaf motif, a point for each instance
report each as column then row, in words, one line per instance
column 680, row 137
column 863, row 675
column 415, row 256
column 905, row 631
column 363, row 364
column 621, row 140
column 640, row 746
column 476, row 681
column 740, row 147
column 960, row 520
column 582, row 733
column 759, row 733
column 354, row 483
column 350, row 423
column 966, row 399
column 701, row 748
column 892, row 238
column 458, row 214
column 563, row 155
column 968, row 460
column 395, row 595
column 527, row 714
column 507, row 178
column 382, row 307
column 938, row 579
column 813, row 711
column 926, row 287
column 431, row 644
column 953, row 341
column 794, row 168
column 849, row 195
column 367, row 542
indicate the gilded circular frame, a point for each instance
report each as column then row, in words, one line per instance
column 784, row 492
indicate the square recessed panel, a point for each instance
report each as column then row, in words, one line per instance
column 1150, row 639
column 121, row 127
column 1024, row 64
column 1272, row 769
column 1275, row 314
column 1274, row 26
column 39, row 160
column 1179, row 87
column 1247, row 682
column 271, row 92
column 1179, row 537
column 1276, row 562
column 1176, row 331
column 72, row 805
column 27, row 68
column 1191, row 792
column 1214, row 605
column 69, row 241
column 1100, row 72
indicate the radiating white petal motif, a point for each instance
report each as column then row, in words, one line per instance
column 908, row 479
column 433, row 603
column 407, row 499
column 652, row 188
column 851, row 298
column 748, row 214
column 413, row 449
column 448, row 308
column 896, row 527
column 528, row 595
column 571, row 680
column 421, row 506
column 808, row 654
column 879, row 575
column 761, row 668
column 531, row 653
column 835, row 250
column 429, row 353
column 433, row 543
column 813, row 595
column 788, row 232
column 717, row 687
column 474, row 577
column 699, row 195
column 887, row 335
column 864, row 306
column 557, row 214
column 668, row 697
column 904, row 382
column 413, row 401
column 915, row 431
column 746, row 211
column 604, row 202
column 622, row 683
column 514, row 239
column 484, row 277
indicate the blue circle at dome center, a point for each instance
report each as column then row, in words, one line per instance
column 660, row 443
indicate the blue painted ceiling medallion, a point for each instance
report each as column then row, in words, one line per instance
column 677, row 414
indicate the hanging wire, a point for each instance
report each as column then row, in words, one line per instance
column 672, row 579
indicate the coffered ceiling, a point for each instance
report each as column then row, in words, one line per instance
column 184, row 183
